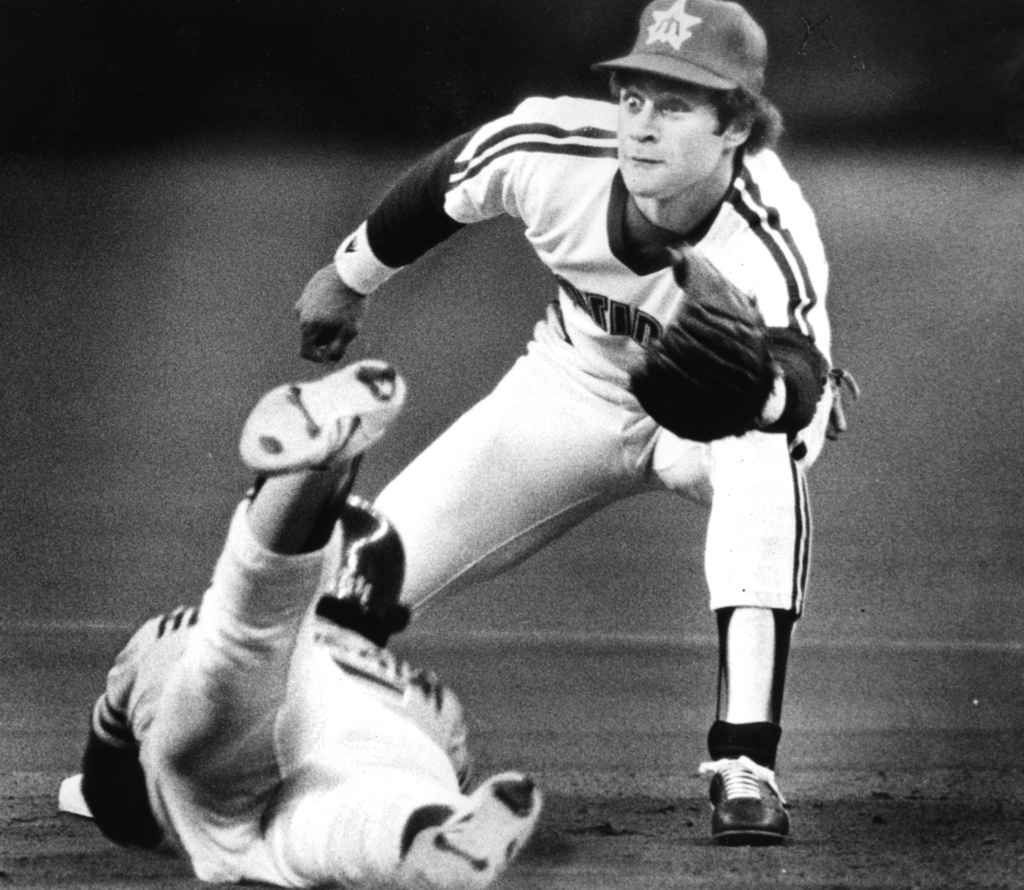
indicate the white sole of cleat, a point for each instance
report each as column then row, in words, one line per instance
column 301, row 426
column 473, row 847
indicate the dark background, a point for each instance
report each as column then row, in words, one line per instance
column 172, row 173
column 86, row 75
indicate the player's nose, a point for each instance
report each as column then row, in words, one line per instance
column 643, row 126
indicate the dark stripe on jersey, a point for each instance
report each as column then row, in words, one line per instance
column 757, row 226
column 787, row 236
column 580, row 151
column 366, row 675
column 764, row 228
column 115, row 712
column 411, row 219
column 174, row 619
column 114, row 723
column 515, row 132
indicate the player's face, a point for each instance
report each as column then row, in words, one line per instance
column 670, row 147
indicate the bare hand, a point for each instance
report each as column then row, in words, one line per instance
column 330, row 316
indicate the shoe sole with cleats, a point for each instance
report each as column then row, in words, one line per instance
column 472, row 847
column 310, row 425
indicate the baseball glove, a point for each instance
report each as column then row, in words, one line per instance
column 711, row 372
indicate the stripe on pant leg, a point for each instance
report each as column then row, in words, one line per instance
column 802, row 550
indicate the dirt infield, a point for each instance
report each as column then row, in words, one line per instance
column 883, row 792
column 963, row 829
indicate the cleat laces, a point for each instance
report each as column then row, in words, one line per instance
column 741, row 778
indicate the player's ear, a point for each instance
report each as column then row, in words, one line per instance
column 737, row 133
column 736, row 117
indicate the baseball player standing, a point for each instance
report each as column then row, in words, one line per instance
column 269, row 736
column 687, row 349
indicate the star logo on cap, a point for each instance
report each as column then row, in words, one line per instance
column 673, row 26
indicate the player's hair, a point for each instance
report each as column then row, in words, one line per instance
column 738, row 106
column 744, row 108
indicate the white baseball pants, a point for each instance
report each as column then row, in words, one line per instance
column 554, row 443
column 264, row 760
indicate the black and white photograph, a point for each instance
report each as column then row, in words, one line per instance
column 551, row 445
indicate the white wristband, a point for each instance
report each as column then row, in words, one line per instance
column 358, row 266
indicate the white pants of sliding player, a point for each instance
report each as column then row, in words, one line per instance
column 266, row 762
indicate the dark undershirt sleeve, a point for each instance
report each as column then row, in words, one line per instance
column 410, row 219
column 114, row 787
column 805, row 373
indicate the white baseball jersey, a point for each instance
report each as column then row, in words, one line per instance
column 553, row 164
column 561, row 436
column 124, row 714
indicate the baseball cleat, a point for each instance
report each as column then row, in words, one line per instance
column 748, row 807
column 311, row 425
column 468, row 848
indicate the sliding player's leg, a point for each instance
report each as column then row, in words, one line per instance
column 212, row 737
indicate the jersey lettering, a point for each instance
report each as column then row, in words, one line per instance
column 611, row 316
column 619, row 323
column 599, row 309
column 646, row 329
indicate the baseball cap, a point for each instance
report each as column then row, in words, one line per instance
column 713, row 43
